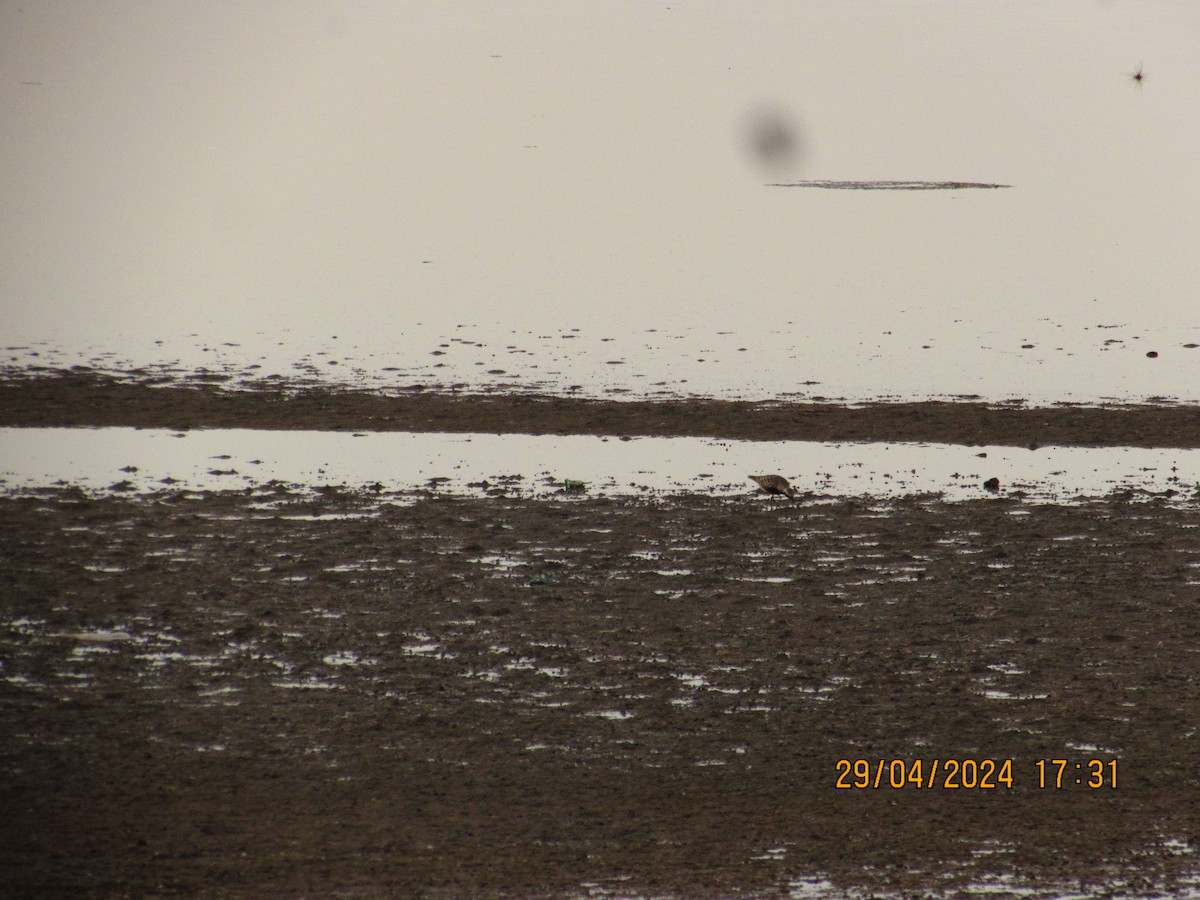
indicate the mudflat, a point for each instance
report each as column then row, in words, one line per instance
column 216, row 400
column 272, row 693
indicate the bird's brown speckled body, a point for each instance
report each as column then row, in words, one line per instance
column 774, row 484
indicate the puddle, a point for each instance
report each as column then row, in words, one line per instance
column 126, row 459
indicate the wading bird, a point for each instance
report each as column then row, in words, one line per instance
column 774, row 484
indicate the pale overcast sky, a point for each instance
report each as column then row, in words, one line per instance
column 229, row 165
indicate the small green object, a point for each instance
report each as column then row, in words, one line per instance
column 571, row 485
column 541, row 579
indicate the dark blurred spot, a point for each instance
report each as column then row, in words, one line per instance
column 774, row 140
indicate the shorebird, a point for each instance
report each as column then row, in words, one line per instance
column 774, row 484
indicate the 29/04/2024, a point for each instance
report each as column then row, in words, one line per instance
column 974, row 774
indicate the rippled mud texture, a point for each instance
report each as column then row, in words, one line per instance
column 280, row 694
column 209, row 400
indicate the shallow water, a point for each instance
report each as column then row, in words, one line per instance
column 127, row 459
column 1041, row 361
column 616, row 226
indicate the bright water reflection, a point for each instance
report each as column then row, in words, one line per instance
column 154, row 459
column 1041, row 361
column 391, row 173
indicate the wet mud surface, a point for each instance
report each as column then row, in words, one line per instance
column 286, row 693
column 206, row 400
column 282, row 691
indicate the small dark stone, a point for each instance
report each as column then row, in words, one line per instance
column 993, row 485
